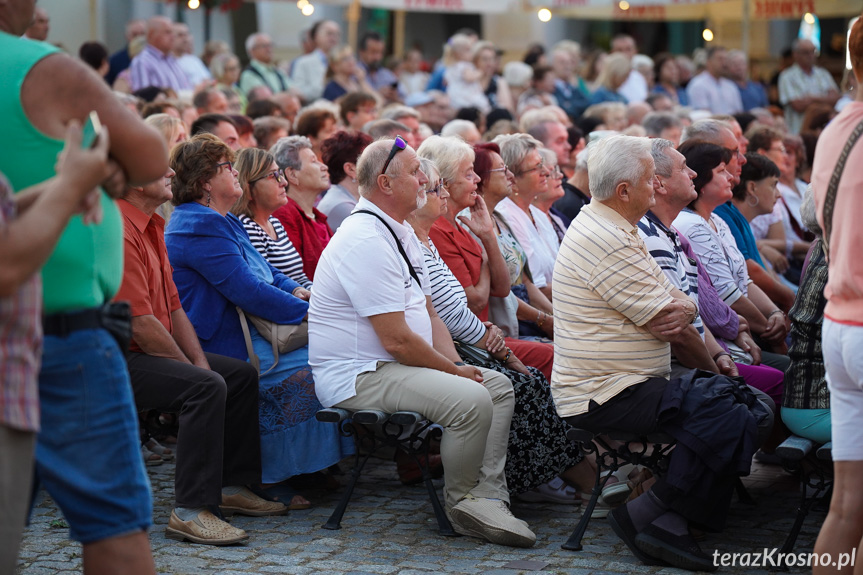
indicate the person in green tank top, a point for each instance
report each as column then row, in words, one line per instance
column 87, row 454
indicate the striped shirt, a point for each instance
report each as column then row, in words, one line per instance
column 664, row 247
column 20, row 341
column 153, row 68
column 605, row 289
column 449, row 299
column 280, row 252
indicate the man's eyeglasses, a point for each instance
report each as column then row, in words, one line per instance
column 398, row 145
column 229, row 164
column 277, row 175
column 540, row 166
column 436, row 190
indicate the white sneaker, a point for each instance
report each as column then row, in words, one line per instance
column 490, row 519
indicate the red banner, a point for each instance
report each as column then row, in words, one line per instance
column 770, row 9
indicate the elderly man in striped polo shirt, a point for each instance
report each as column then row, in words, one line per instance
column 615, row 316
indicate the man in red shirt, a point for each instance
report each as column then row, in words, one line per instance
column 216, row 397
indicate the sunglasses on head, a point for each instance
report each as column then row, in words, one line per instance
column 398, row 145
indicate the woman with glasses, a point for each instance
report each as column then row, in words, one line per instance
column 307, row 178
column 217, row 270
column 265, row 191
column 478, row 265
column 521, row 152
column 715, row 246
column 538, row 450
column 508, row 312
column 553, row 226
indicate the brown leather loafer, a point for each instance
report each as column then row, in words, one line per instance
column 247, row 503
column 205, row 528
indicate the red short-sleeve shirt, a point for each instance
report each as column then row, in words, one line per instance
column 461, row 252
column 148, row 283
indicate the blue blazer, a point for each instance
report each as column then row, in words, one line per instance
column 216, row 269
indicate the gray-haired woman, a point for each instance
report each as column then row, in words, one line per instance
column 538, row 453
column 307, row 179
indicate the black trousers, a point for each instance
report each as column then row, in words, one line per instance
column 219, row 443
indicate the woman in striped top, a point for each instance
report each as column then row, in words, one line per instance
column 263, row 193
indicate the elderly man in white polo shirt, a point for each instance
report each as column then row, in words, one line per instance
column 615, row 315
column 376, row 342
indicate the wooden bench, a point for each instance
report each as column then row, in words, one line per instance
column 372, row 429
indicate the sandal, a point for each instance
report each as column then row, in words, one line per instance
column 165, row 453
column 641, row 482
column 287, row 495
column 151, row 459
column 555, row 491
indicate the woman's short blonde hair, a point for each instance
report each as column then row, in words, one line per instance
column 166, row 124
column 616, row 67
column 447, row 153
column 252, row 164
column 195, row 162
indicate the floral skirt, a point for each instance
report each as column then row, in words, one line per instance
column 538, row 449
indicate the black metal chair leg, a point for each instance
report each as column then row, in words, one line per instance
column 574, row 541
column 335, row 520
column 443, row 524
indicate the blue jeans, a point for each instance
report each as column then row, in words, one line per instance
column 88, row 454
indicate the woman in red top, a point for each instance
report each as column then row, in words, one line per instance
column 307, row 179
column 479, row 268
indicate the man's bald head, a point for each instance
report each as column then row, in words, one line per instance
column 160, row 33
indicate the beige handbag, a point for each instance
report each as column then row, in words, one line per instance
column 284, row 337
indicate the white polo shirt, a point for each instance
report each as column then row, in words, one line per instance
column 361, row 274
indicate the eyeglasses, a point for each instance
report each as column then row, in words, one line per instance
column 556, row 173
column 436, row 190
column 276, row 175
column 503, row 169
column 540, row 166
column 229, row 164
column 398, row 145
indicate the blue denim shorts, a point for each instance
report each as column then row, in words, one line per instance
column 88, row 453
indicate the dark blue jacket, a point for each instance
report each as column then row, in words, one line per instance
column 216, row 269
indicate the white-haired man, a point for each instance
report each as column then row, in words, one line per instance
column 615, row 314
column 261, row 71
column 375, row 341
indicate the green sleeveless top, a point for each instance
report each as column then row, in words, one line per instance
column 87, row 265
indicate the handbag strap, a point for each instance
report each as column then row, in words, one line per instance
column 398, row 243
column 250, row 348
column 833, row 186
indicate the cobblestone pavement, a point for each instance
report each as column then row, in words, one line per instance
column 390, row 529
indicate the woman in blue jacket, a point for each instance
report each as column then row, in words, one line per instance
column 217, row 270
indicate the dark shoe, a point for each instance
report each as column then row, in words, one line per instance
column 410, row 473
column 622, row 525
column 681, row 551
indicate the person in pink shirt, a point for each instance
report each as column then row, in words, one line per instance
column 843, row 318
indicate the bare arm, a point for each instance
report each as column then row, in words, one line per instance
column 408, row 348
column 185, row 336
column 60, row 88
column 691, row 351
column 27, row 242
column 481, row 224
column 440, row 334
column 153, row 339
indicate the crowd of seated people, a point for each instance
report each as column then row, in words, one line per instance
column 615, row 259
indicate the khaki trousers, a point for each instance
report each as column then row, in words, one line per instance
column 475, row 417
column 17, row 449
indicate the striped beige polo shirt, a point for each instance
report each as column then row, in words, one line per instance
column 605, row 289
